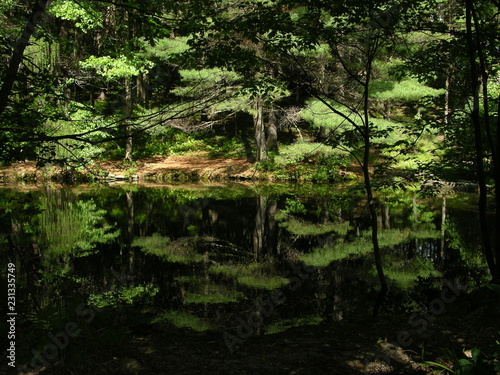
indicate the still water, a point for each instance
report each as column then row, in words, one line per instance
column 238, row 260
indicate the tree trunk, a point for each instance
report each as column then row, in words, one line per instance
column 141, row 91
column 130, row 230
column 387, row 216
column 443, row 228
column 272, row 132
column 368, row 186
column 260, row 135
column 322, row 135
column 272, row 235
column 447, row 100
column 374, row 226
column 497, row 195
column 478, row 140
column 128, row 125
column 259, row 230
column 10, row 75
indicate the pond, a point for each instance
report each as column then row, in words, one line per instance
column 94, row 265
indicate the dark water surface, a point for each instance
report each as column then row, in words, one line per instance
column 238, row 260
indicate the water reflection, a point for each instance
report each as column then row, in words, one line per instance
column 202, row 258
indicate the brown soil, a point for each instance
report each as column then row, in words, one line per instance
column 199, row 164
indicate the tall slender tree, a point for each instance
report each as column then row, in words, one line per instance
column 482, row 23
column 472, row 107
column 288, row 31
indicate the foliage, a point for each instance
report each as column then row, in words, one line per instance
column 76, row 152
column 302, row 151
column 225, row 147
column 111, row 68
column 199, row 291
column 479, row 362
column 294, row 206
column 299, row 228
column 343, row 249
column 82, row 14
column 163, row 248
column 136, row 295
column 407, row 90
column 73, row 228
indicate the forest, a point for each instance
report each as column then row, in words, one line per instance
column 301, row 99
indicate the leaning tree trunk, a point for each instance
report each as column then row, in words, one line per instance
column 10, row 76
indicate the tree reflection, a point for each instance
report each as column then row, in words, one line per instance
column 201, row 258
column 68, row 226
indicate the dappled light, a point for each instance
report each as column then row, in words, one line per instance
column 250, row 187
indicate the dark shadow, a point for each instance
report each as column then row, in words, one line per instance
column 249, row 150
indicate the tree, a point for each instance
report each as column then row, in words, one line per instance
column 471, row 124
column 288, row 32
column 10, row 75
column 231, row 39
column 101, row 45
column 481, row 30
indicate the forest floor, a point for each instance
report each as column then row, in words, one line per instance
column 195, row 166
column 352, row 346
column 196, row 163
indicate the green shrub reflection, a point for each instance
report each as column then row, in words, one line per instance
column 251, row 275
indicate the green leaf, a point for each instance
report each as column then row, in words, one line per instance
column 475, row 354
column 438, row 365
